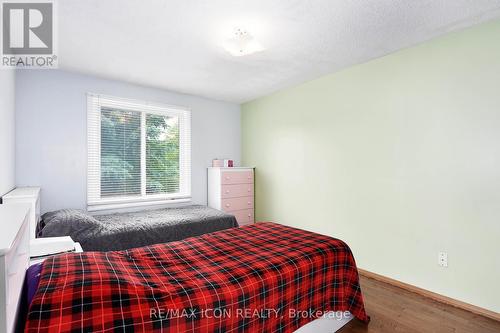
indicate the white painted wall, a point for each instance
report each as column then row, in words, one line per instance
column 7, row 146
column 51, row 132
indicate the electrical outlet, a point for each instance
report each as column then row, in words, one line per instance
column 443, row 259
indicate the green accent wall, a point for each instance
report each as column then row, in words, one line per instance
column 399, row 157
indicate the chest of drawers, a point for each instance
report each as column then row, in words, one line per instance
column 232, row 190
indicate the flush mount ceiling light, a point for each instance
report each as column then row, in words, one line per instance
column 242, row 43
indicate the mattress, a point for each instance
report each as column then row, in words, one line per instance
column 129, row 230
column 264, row 277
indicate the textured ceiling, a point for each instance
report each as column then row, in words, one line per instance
column 176, row 44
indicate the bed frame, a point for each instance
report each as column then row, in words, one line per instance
column 328, row 324
column 14, row 258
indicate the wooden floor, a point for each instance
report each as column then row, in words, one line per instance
column 393, row 309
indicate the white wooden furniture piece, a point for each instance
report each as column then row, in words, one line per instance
column 232, row 190
column 52, row 246
column 39, row 246
column 330, row 322
column 30, row 195
column 14, row 258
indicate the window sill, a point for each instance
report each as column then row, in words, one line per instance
column 138, row 204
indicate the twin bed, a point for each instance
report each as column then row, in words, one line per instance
column 123, row 231
column 263, row 277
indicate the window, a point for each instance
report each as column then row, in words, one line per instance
column 139, row 153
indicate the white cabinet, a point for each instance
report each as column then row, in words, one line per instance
column 31, row 196
column 14, row 258
column 232, row 190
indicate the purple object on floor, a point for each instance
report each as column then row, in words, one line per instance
column 32, row 280
column 30, row 287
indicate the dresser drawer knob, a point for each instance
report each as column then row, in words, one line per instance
column 227, row 205
column 249, row 215
column 227, row 191
column 249, row 190
column 248, row 203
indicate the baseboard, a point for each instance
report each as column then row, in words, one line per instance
column 432, row 295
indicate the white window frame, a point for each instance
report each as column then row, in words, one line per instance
column 94, row 200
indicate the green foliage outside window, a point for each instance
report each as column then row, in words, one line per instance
column 121, row 153
column 162, row 154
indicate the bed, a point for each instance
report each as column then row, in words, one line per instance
column 264, row 277
column 129, row 230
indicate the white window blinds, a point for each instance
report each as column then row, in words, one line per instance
column 138, row 152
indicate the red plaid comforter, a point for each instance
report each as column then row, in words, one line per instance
column 259, row 278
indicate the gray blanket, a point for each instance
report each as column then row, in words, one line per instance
column 128, row 230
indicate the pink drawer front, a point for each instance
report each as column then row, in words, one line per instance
column 238, row 190
column 237, row 177
column 232, row 204
column 244, row 217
